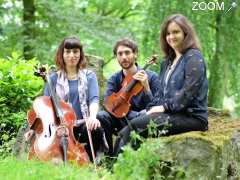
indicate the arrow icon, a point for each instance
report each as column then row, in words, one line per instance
column 232, row 5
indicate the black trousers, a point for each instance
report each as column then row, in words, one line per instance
column 172, row 123
column 81, row 136
column 111, row 125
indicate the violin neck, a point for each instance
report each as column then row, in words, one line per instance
column 133, row 82
column 146, row 66
column 131, row 85
column 54, row 99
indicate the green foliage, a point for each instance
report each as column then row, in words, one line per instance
column 94, row 22
column 11, row 168
column 18, row 84
column 145, row 163
column 99, row 23
column 18, row 87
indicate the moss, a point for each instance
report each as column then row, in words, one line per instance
column 221, row 128
column 214, row 154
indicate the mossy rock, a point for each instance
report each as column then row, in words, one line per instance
column 95, row 63
column 214, row 154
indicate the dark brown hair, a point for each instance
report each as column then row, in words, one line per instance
column 190, row 39
column 125, row 42
column 69, row 43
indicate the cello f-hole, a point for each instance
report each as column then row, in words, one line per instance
column 49, row 128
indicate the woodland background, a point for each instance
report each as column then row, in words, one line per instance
column 31, row 30
column 34, row 29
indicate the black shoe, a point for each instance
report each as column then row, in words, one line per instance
column 99, row 158
column 118, row 146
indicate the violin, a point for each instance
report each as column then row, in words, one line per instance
column 118, row 104
column 53, row 121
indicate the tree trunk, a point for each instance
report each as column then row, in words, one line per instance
column 29, row 28
column 216, row 80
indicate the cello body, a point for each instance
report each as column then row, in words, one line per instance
column 49, row 129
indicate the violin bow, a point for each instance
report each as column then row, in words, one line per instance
column 91, row 143
column 78, row 123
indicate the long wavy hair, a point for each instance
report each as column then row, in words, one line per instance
column 190, row 38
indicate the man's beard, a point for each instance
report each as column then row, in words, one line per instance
column 127, row 67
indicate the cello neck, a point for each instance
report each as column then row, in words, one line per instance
column 41, row 72
column 54, row 99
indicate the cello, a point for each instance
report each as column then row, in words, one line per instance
column 53, row 121
column 118, row 104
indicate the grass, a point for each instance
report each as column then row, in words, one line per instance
column 145, row 163
column 11, row 168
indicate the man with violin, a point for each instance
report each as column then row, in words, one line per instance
column 132, row 81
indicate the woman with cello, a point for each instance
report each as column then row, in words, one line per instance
column 77, row 86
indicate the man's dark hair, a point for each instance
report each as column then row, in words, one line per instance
column 125, row 42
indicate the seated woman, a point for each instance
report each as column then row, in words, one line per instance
column 78, row 86
column 180, row 105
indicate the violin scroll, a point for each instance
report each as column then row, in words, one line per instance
column 153, row 59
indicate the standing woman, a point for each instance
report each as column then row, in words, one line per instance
column 180, row 105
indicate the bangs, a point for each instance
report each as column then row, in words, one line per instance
column 72, row 43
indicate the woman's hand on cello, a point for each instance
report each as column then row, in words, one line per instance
column 155, row 109
column 93, row 123
column 143, row 78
